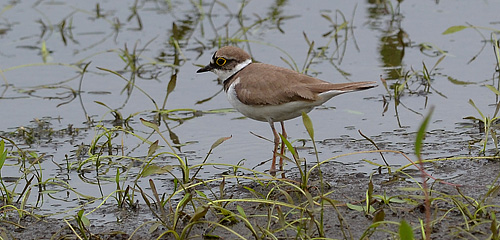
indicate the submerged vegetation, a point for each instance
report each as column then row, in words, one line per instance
column 124, row 156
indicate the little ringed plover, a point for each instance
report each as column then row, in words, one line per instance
column 269, row 93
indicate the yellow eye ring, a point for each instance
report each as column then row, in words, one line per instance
column 220, row 61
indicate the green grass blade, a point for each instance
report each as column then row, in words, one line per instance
column 421, row 134
column 308, row 124
column 289, row 146
column 493, row 89
column 219, row 142
column 405, row 231
column 479, row 111
column 3, row 153
column 150, row 124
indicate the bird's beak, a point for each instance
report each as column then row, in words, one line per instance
column 205, row 69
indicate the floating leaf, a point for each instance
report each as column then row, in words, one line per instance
column 354, row 112
column 155, row 169
column 472, row 118
column 458, row 82
column 454, row 29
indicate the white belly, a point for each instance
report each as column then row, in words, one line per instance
column 276, row 113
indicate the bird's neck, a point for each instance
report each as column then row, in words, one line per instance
column 227, row 78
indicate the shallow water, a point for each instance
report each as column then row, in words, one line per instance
column 43, row 89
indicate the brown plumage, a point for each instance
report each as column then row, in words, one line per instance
column 266, row 90
column 269, row 93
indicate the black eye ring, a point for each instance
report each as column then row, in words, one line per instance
column 220, row 61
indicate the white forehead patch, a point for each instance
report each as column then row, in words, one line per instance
column 212, row 61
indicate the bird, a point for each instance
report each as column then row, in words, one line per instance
column 272, row 94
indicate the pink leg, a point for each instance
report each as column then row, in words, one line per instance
column 283, row 132
column 276, row 143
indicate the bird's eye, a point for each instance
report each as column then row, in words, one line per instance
column 220, row 61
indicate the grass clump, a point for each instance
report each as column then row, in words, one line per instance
column 243, row 203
